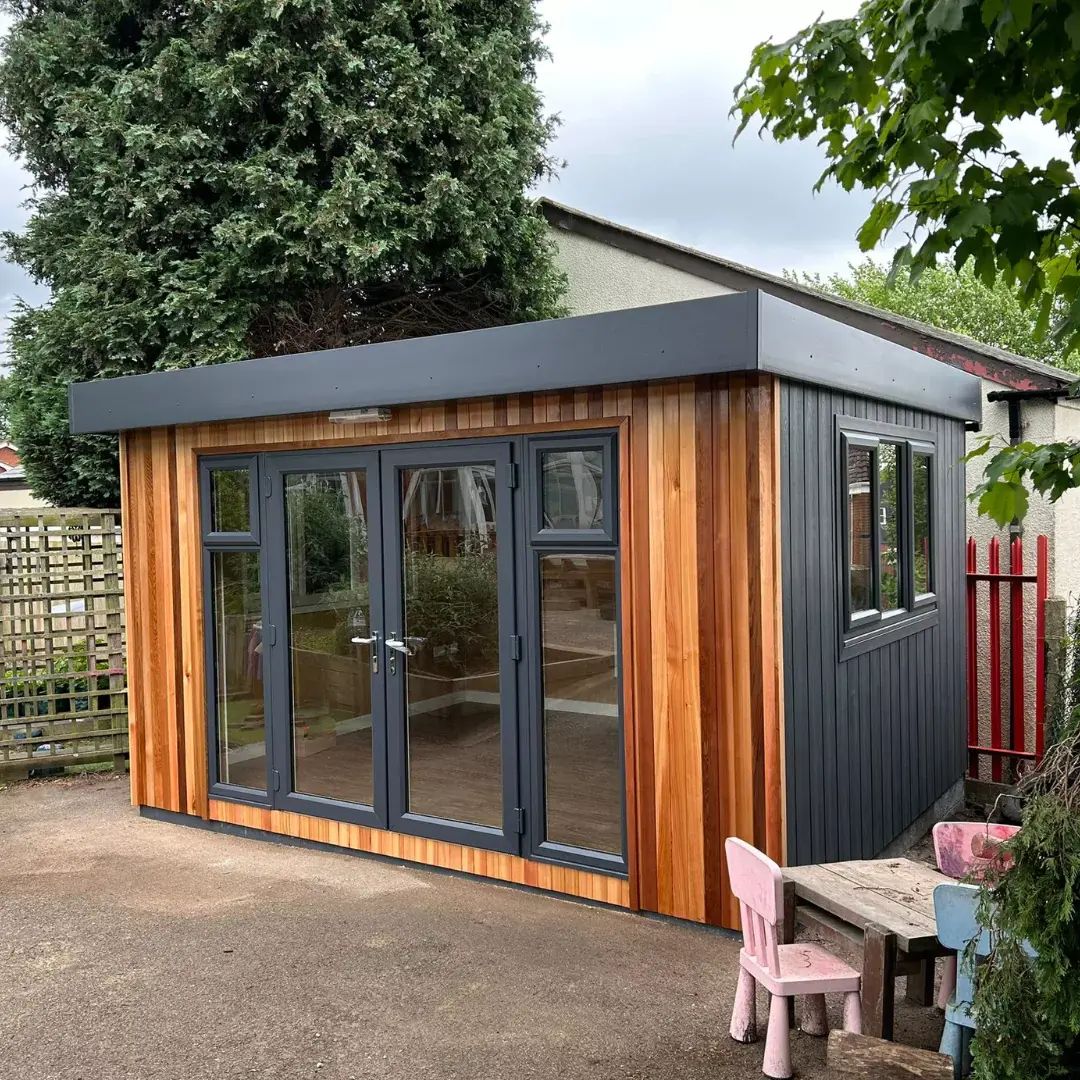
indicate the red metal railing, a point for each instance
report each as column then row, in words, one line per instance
column 1015, row 746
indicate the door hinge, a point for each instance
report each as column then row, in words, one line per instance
column 271, row 635
column 519, row 811
column 512, row 475
column 277, row 780
column 515, row 646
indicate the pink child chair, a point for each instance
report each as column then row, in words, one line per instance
column 786, row 971
column 966, row 850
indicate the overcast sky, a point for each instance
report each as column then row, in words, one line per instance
column 644, row 90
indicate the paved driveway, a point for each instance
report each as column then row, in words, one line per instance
column 136, row 950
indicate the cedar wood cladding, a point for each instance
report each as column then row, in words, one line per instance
column 871, row 741
column 700, row 636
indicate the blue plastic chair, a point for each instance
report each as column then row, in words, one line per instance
column 957, row 926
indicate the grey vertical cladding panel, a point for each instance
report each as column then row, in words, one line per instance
column 872, row 741
column 815, row 618
column 830, row 748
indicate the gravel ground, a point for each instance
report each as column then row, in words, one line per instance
column 136, row 950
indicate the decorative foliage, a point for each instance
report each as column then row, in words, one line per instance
column 1028, row 1006
column 452, row 606
column 241, row 177
column 909, row 99
column 1051, row 469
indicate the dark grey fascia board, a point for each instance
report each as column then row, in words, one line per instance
column 718, row 334
column 799, row 344
column 692, row 337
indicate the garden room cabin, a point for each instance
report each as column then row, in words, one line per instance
column 562, row 604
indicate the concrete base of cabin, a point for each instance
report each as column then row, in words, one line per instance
column 133, row 949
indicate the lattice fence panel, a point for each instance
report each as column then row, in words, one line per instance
column 63, row 697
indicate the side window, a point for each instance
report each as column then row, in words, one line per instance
column 887, row 485
column 234, row 590
column 574, row 569
column 573, row 496
column 230, row 505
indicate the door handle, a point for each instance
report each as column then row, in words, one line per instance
column 396, row 646
column 373, row 641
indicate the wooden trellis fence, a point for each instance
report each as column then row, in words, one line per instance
column 63, row 696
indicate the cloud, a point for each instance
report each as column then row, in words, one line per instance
column 644, row 92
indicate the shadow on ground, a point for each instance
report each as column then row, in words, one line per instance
column 136, row 950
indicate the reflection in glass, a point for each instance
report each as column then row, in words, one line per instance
column 329, row 605
column 860, row 521
column 921, row 511
column 583, row 786
column 889, row 494
column 230, row 500
column 451, row 627
column 573, row 489
column 236, row 610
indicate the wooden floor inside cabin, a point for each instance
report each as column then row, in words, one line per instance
column 455, row 772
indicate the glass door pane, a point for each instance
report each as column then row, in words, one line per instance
column 330, row 626
column 324, row 521
column 451, row 700
column 450, row 541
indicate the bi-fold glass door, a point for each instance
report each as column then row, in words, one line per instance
column 391, row 609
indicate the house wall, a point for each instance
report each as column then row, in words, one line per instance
column 1066, row 546
column 19, row 497
column 874, row 740
column 702, row 703
column 605, row 278
column 1041, row 421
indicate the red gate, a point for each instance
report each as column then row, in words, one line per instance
column 1015, row 745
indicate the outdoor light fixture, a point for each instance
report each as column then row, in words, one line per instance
column 369, row 415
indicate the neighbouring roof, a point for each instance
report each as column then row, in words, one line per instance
column 745, row 331
column 957, row 350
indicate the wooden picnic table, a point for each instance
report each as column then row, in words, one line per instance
column 886, row 905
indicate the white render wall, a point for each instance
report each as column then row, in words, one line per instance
column 605, row 278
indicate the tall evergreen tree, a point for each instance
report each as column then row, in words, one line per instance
column 220, row 179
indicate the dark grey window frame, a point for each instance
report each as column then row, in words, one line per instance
column 604, row 441
column 863, row 631
column 584, row 542
column 213, row 543
column 523, row 766
column 275, row 467
column 506, row 839
column 235, row 463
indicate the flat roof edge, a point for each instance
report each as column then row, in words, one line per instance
column 752, row 331
column 692, row 337
column 804, row 346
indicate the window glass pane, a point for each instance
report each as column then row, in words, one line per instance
column 329, row 606
column 889, row 522
column 921, row 514
column 861, row 522
column 451, row 578
column 238, row 654
column 230, row 500
column 573, row 490
column 583, row 784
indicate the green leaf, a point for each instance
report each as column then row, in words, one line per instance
column 882, row 217
column 1072, row 28
column 969, row 219
column 946, row 16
